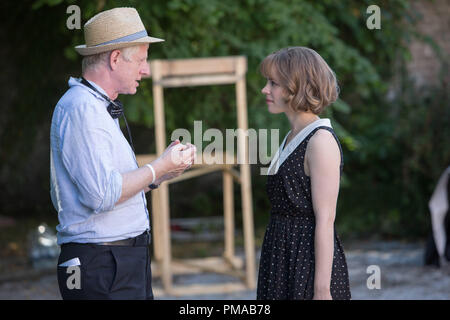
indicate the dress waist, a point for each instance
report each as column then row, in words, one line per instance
column 293, row 215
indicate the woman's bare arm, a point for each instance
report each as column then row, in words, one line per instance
column 323, row 160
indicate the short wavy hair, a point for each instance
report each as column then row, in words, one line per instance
column 308, row 81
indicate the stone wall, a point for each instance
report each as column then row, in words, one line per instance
column 425, row 66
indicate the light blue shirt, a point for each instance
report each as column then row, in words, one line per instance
column 88, row 153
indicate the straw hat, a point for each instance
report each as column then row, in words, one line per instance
column 114, row 29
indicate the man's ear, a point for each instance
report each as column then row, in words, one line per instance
column 114, row 59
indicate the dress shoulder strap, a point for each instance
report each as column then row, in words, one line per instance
column 282, row 154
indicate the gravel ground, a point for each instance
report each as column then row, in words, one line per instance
column 403, row 276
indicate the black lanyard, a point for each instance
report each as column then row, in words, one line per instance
column 115, row 108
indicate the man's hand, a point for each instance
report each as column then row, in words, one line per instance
column 176, row 159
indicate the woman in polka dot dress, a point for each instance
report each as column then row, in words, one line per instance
column 301, row 256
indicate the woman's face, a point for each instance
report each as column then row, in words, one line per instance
column 274, row 93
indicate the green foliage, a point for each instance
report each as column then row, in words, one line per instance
column 394, row 150
column 404, row 148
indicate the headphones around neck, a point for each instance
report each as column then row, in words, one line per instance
column 115, row 108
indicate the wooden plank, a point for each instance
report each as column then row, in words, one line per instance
column 143, row 159
column 197, row 172
column 158, row 99
column 196, row 66
column 246, row 190
column 163, row 191
column 235, row 174
column 197, row 289
column 156, row 226
column 201, row 265
column 216, row 157
column 191, row 81
column 228, row 212
column 213, row 264
column 165, row 236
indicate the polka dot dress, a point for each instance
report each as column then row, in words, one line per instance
column 286, row 270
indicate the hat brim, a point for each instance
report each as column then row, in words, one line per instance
column 86, row 51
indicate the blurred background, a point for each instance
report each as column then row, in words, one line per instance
column 393, row 115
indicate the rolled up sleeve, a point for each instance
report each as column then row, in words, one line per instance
column 86, row 152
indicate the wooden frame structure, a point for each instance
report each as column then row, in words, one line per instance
column 200, row 72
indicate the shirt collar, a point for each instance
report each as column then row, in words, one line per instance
column 73, row 82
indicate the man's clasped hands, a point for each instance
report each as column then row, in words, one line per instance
column 177, row 158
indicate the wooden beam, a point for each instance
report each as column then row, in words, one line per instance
column 197, row 289
column 246, row 189
column 143, row 159
column 163, row 191
column 158, row 100
column 228, row 212
column 235, row 174
column 156, row 226
column 203, row 80
column 195, row 66
column 219, row 265
column 197, row 172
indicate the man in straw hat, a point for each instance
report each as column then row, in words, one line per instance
column 96, row 185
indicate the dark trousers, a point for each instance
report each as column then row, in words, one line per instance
column 106, row 271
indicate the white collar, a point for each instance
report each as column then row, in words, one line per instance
column 282, row 154
column 77, row 82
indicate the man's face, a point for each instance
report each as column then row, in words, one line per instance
column 131, row 71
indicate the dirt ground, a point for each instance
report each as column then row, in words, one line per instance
column 402, row 276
